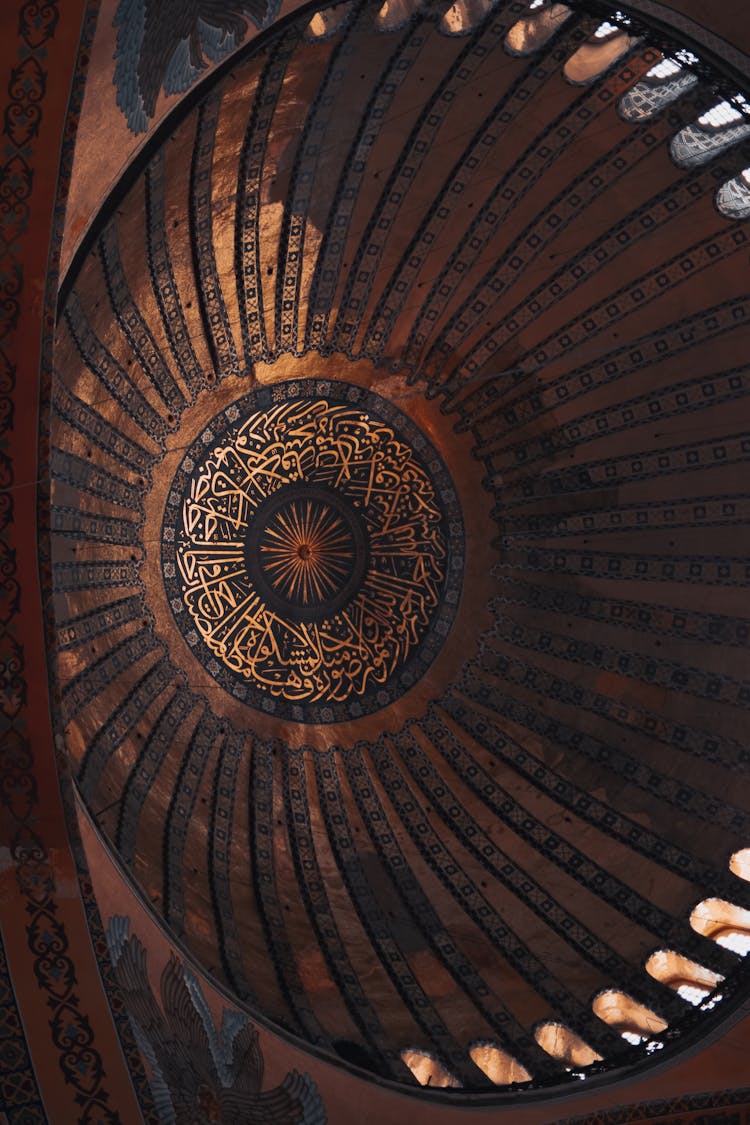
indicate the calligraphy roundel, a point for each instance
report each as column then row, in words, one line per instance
column 312, row 550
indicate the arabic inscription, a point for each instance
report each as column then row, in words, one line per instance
column 309, row 549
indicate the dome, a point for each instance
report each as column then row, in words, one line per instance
column 398, row 539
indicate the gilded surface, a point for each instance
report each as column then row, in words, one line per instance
column 306, row 550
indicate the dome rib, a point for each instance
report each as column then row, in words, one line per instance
column 398, row 549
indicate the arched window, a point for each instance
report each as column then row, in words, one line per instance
column 395, row 14
column 427, row 1070
column 530, row 33
column 608, row 44
column 691, row 981
column 722, row 126
column 726, row 924
column 464, row 16
column 563, row 1044
column 660, row 86
column 733, row 197
column 739, row 864
column 328, row 22
column 500, row 1067
column 635, row 1022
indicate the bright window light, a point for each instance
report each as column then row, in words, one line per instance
column 664, row 69
column 736, row 941
column 725, row 113
column 632, row 1037
column 693, row 993
column 607, row 28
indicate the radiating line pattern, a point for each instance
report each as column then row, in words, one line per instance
column 306, row 550
column 519, row 284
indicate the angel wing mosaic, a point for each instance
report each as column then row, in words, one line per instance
column 167, row 44
column 201, row 1074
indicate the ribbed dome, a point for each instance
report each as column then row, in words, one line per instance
column 398, row 538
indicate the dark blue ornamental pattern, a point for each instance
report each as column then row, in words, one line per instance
column 167, row 44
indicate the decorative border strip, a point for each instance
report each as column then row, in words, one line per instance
column 43, row 18
column 689, row 1103
column 19, row 1093
column 71, row 1032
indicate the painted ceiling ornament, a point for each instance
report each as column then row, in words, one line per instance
column 169, row 43
column 201, row 1075
column 313, row 551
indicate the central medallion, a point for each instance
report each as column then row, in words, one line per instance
column 312, row 551
column 307, row 549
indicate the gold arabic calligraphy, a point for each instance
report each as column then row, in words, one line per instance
column 310, row 551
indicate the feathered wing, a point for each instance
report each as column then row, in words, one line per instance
column 129, row 21
column 132, row 977
column 247, row 1067
column 177, row 34
column 186, row 1028
column 228, row 14
column 261, row 12
column 166, row 24
column 295, row 1102
column 166, row 44
column 177, row 1038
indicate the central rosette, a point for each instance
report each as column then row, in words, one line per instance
column 307, row 549
column 313, row 551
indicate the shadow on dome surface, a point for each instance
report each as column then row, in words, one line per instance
column 398, row 540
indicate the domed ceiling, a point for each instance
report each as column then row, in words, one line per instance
column 398, row 444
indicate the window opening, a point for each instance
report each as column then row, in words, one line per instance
column 606, row 29
column 693, row 993
column 711, row 1002
column 714, row 132
column 716, row 918
column 563, row 1044
column 427, row 1070
column 530, row 33
column 464, row 16
column 739, row 864
column 725, row 113
column 682, row 974
column 635, row 1022
column 659, row 87
column 500, row 1067
column 667, row 68
column 736, row 940
column 607, row 44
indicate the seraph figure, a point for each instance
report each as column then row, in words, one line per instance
column 168, row 43
column 201, row 1076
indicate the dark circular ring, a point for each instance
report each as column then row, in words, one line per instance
column 353, row 559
